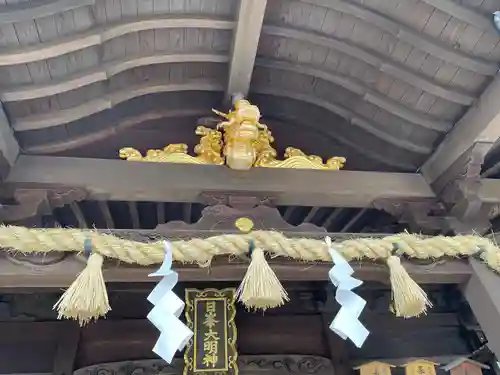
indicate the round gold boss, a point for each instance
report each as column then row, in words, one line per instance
column 244, row 224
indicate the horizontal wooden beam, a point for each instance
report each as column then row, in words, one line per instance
column 119, row 340
column 136, row 181
column 111, row 340
column 18, row 274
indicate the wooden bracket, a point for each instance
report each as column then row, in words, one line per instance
column 423, row 216
column 223, row 217
column 458, row 189
column 34, row 203
column 458, row 209
column 242, row 201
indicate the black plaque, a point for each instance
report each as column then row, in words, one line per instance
column 210, row 314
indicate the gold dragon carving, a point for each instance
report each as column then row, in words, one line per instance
column 240, row 142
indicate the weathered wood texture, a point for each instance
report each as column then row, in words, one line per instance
column 392, row 80
column 109, row 341
column 9, row 147
column 132, row 181
column 20, row 274
column 481, row 294
column 489, row 191
column 247, row 365
column 480, row 125
column 244, row 48
column 126, row 335
column 56, row 269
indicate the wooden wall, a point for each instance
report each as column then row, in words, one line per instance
column 29, row 330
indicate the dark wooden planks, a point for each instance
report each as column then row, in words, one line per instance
column 26, row 10
column 158, row 182
column 482, row 294
column 117, row 340
column 60, row 275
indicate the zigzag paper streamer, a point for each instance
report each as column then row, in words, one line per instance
column 174, row 335
column 346, row 323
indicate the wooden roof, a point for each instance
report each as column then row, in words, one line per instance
column 380, row 82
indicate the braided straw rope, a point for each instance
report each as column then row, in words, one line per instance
column 201, row 251
column 86, row 299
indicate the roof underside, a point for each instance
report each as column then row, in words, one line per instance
column 378, row 81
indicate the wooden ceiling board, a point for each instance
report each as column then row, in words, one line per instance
column 399, row 72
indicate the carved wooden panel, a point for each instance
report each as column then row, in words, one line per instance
column 274, row 364
column 223, row 217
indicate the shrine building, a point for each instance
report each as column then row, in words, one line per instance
column 314, row 185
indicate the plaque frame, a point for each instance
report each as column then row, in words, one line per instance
column 193, row 297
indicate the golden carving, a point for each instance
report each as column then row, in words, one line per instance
column 208, row 151
column 241, row 132
column 210, row 146
column 297, row 159
column 241, row 142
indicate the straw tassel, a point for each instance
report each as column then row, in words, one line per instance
column 408, row 299
column 86, row 299
column 260, row 288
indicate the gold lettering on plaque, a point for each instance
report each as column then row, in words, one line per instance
column 211, row 337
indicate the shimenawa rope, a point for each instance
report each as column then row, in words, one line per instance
column 408, row 298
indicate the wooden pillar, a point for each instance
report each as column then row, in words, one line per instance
column 482, row 293
column 67, row 347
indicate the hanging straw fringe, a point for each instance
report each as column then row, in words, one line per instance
column 260, row 288
column 408, row 299
column 86, row 299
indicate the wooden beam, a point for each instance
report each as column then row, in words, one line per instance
column 62, row 274
column 481, row 124
column 489, row 191
column 245, row 43
column 481, row 291
column 115, row 340
column 162, row 182
column 9, row 148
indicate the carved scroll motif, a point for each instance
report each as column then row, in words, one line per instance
column 248, row 365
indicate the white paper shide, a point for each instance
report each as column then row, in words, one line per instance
column 174, row 335
column 346, row 323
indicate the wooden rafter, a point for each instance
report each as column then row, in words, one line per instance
column 245, row 42
column 161, row 182
column 481, row 124
column 9, row 148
